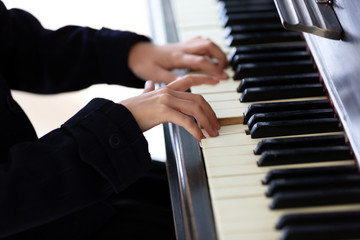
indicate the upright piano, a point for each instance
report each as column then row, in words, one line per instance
column 285, row 165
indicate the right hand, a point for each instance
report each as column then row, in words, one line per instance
column 155, row 62
column 171, row 104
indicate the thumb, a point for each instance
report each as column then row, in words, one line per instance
column 149, row 86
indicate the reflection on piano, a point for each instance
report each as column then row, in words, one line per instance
column 283, row 166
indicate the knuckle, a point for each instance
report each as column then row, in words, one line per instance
column 164, row 95
column 165, row 98
column 176, row 54
column 188, row 121
column 201, row 60
column 199, row 98
column 189, row 78
column 162, row 109
column 197, row 107
column 163, row 90
column 208, row 42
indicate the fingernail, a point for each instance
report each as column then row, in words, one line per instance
column 148, row 84
column 225, row 75
column 216, row 132
column 216, row 79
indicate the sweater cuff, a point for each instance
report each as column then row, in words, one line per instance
column 114, row 47
column 110, row 140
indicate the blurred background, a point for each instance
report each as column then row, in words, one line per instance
column 48, row 112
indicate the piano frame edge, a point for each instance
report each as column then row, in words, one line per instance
column 191, row 203
column 340, row 72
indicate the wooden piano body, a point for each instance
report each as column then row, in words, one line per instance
column 337, row 62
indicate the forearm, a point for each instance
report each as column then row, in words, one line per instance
column 45, row 61
column 72, row 167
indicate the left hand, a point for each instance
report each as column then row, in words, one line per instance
column 152, row 62
column 169, row 103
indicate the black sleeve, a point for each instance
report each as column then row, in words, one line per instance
column 45, row 61
column 98, row 152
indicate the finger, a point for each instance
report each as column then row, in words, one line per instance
column 203, row 63
column 190, row 104
column 149, row 86
column 187, row 81
column 186, row 122
column 161, row 75
column 209, row 48
column 198, row 111
column 205, row 106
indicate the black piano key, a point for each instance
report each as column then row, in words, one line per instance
column 244, row 3
column 294, row 127
column 291, row 115
column 282, row 92
column 316, row 198
column 307, row 78
column 322, row 232
column 262, row 38
column 284, row 106
column 304, row 155
column 298, row 142
column 318, row 218
column 313, row 183
column 308, row 172
column 251, row 28
column 266, row 48
column 250, row 18
column 270, row 57
column 247, row 9
column 273, row 69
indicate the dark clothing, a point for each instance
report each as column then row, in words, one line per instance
column 63, row 182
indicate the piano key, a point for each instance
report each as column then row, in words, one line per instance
column 238, row 165
column 233, row 182
column 333, row 231
column 245, row 3
column 284, row 106
column 270, row 57
column 290, row 115
column 301, row 172
column 245, row 216
column 308, row 78
column 235, row 135
column 250, row 18
column 294, row 127
column 252, row 28
column 255, row 94
column 273, row 69
column 313, row 183
column 262, row 37
column 316, row 218
column 247, row 9
column 316, row 198
column 298, row 142
column 290, row 47
column 304, row 155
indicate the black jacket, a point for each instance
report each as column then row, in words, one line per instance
column 63, row 178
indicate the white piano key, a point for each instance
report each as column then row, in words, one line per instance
column 228, row 85
column 245, row 167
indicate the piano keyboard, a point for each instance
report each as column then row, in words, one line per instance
column 280, row 167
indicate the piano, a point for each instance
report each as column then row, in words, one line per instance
column 285, row 165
